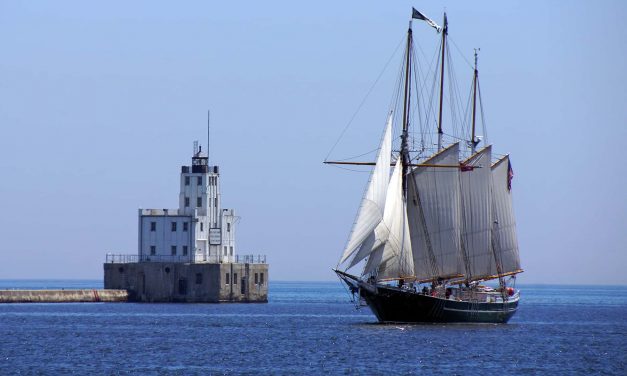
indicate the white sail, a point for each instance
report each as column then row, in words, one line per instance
column 476, row 182
column 391, row 252
column 373, row 202
column 504, row 224
column 433, row 210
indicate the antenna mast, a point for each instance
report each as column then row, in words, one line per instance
column 208, row 122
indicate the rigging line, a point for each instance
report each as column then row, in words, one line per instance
column 357, row 156
column 421, row 90
column 349, row 169
column 467, row 114
column 395, row 102
column 459, row 125
column 454, row 99
column 432, row 97
column 483, row 122
column 460, row 52
column 451, row 97
column 364, row 99
column 419, row 99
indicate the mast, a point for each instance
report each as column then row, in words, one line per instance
column 406, row 102
column 444, row 33
column 473, row 141
column 405, row 159
column 208, row 121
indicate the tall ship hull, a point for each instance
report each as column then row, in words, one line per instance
column 397, row 305
column 435, row 234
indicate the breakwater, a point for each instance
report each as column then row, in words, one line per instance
column 63, row 296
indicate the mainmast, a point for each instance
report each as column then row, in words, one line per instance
column 444, row 33
column 473, row 140
column 405, row 160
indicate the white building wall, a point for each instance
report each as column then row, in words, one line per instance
column 228, row 250
column 157, row 236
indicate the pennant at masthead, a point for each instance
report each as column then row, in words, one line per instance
column 419, row 16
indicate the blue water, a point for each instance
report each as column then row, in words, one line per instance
column 310, row 328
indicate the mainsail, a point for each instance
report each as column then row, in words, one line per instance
column 504, row 238
column 476, row 181
column 373, row 202
column 433, row 209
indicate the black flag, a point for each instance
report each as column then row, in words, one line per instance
column 419, row 16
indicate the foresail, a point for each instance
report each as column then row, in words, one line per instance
column 373, row 202
column 433, row 210
column 505, row 240
column 476, row 181
column 392, row 256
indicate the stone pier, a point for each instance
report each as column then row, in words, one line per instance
column 63, row 296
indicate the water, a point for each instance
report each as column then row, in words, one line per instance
column 310, row 328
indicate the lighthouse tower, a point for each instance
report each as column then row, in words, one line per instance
column 199, row 230
column 199, row 198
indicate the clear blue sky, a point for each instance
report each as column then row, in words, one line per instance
column 100, row 104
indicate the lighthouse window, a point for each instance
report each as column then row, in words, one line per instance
column 153, row 250
column 173, row 226
column 199, row 180
column 187, row 202
column 215, row 202
column 173, row 248
column 228, row 280
column 153, row 226
column 228, row 227
column 185, row 225
column 261, row 278
column 201, row 226
column 225, row 250
column 184, row 250
column 199, row 202
column 235, row 278
column 187, row 180
column 256, row 278
column 231, row 250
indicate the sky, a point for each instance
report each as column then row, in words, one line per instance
column 100, row 105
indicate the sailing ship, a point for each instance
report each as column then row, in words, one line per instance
column 435, row 231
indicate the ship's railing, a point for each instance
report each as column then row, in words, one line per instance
column 126, row 259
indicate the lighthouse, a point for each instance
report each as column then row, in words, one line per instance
column 199, row 230
column 188, row 254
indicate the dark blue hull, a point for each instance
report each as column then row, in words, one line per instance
column 392, row 304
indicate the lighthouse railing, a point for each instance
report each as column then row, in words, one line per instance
column 112, row 258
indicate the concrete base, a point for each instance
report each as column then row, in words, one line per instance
column 62, row 296
column 189, row 283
